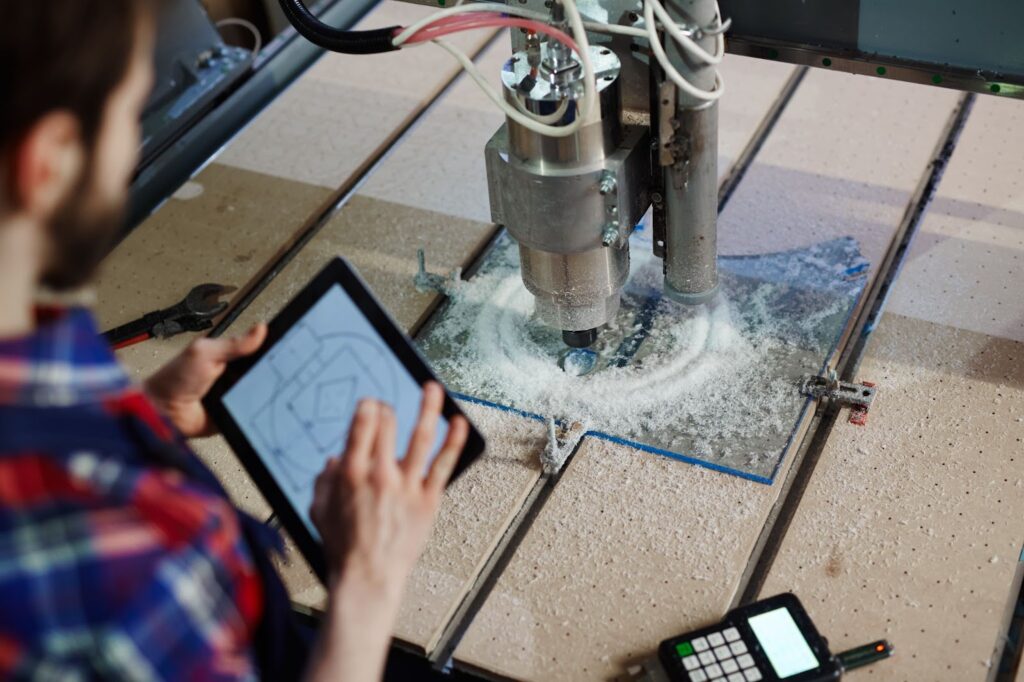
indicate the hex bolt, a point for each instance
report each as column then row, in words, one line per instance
column 607, row 183
column 610, row 234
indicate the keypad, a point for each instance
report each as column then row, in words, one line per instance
column 719, row 657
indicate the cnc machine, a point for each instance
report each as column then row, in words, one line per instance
column 571, row 202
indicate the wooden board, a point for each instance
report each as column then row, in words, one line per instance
column 910, row 528
column 820, row 175
column 345, row 107
column 621, row 556
column 221, row 227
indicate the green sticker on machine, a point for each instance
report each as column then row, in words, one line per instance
column 684, row 649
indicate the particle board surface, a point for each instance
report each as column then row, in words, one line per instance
column 223, row 227
column 345, row 107
column 911, row 527
column 965, row 266
column 623, row 554
column 914, row 521
column 843, row 159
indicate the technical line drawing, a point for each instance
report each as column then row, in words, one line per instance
column 317, row 382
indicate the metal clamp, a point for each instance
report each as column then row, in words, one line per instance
column 858, row 397
column 427, row 281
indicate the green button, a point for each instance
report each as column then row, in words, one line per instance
column 684, row 649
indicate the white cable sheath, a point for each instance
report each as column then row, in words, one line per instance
column 670, row 71
column 653, row 9
column 247, row 25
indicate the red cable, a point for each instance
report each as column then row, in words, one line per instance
column 465, row 22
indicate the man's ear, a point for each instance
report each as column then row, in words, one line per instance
column 46, row 164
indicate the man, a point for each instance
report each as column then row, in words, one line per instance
column 120, row 556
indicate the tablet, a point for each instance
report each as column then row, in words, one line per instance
column 287, row 409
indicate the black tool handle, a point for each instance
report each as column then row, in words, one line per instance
column 132, row 332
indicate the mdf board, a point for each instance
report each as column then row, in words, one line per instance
column 819, row 176
column 911, row 527
column 345, row 107
column 627, row 549
column 222, row 226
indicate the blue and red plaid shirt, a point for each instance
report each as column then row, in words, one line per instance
column 120, row 555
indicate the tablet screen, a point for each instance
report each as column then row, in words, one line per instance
column 295, row 405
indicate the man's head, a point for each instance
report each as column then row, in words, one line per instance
column 74, row 75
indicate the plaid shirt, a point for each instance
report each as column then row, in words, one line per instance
column 117, row 559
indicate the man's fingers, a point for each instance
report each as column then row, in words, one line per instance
column 425, row 432
column 247, row 344
column 443, row 466
column 252, row 340
column 226, row 350
column 384, row 466
column 361, row 437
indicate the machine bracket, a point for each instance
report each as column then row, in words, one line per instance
column 556, row 451
column 428, row 281
column 858, row 397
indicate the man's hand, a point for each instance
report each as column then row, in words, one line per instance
column 374, row 514
column 178, row 388
column 373, row 511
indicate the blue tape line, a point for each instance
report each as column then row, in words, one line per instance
column 623, row 441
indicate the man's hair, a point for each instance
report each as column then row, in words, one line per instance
column 63, row 55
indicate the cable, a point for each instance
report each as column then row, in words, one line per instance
column 442, row 28
column 527, row 120
column 347, row 42
column 684, row 40
column 249, row 26
column 670, row 71
column 414, row 28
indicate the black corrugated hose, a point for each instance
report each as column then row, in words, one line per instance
column 348, row 42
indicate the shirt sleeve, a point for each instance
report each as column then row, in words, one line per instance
column 180, row 626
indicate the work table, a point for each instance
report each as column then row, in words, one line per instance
column 907, row 528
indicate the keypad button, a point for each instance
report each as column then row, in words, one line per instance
column 745, row 661
column 700, row 644
column 706, row 657
column 713, row 670
column 691, row 663
column 698, row 676
column 731, row 635
column 722, row 653
column 716, row 639
column 752, row 675
column 736, row 677
column 738, row 648
column 729, row 665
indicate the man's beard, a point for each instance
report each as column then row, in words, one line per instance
column 81, row 234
